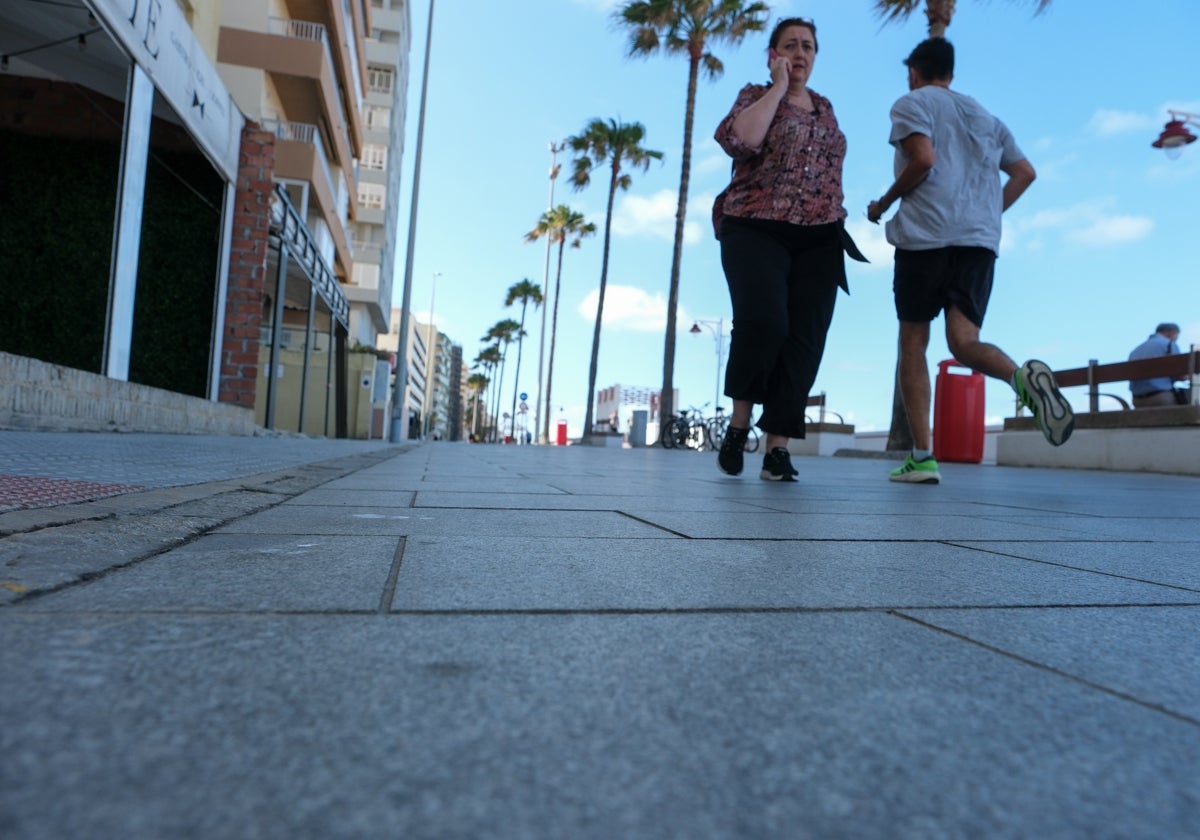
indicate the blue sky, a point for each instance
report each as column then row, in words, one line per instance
column 1099, row 250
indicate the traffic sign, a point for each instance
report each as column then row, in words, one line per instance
column 524, row 397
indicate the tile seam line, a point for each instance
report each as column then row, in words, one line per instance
column 1071, row 567
column 607, row 611
column 1041, row 666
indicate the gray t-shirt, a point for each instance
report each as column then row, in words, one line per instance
column 961, row 200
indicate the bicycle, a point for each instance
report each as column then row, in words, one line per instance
column 687, row 431
column 715, row 429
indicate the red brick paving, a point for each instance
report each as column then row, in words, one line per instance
column 20, row 492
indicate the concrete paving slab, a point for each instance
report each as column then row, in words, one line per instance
column 388, row 482
column 298, row 519
column 1167, row 564
column 328, row 497
column 532, row 501
column 862, row 725
column 1178, row 531
column 48, row 559
column 1148, row 654
column 223, row 573
column 741, row 525
column 489, row 573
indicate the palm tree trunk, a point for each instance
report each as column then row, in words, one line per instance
column 591, row 394
column 517, row 376
column 499, row 392
column 667, row 398
column 553, row 336
column 939, row 12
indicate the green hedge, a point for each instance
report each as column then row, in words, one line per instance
column 57, row 204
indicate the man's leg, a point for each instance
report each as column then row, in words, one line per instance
column 914, row 380
column 962, row 337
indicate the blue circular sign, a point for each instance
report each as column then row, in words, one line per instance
column 524, row 396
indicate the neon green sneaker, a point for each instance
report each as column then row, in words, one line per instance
column 1037, row 391
column 917, row 472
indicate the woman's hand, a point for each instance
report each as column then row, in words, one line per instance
column 781, row 70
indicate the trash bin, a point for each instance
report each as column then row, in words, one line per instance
column 958, row 414
column 560, row 433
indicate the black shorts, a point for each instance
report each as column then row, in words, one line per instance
column 926, row 282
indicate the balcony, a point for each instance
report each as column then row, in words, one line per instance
column 296, row 54
column 300, row 156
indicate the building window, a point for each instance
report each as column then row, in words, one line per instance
column 370, row 196
column 377, row 117
column 374, row 156
column 379, row 79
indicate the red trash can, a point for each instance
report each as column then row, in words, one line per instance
column 958, row 403
column 560, row 433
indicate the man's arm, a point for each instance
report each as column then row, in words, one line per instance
column 1020, row 176
column 921, row 158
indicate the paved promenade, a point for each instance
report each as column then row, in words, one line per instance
column 287, row 638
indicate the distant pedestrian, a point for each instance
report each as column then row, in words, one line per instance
column 1158, row 390
column 949, row 155
column 781, row 225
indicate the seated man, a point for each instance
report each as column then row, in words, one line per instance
column 1159, row 391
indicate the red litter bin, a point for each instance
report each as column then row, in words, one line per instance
column 958, row 414
column 560, row 433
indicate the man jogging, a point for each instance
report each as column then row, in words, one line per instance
column 949, row 155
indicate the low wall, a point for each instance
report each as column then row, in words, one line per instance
column 1160, row 440
column 823, row 439
column 39, row 396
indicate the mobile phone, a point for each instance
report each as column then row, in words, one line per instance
column 771, row 55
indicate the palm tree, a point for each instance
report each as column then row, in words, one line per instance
column 489, row 360
column 686, row 26
column 939, row 13
column 613, row 143
column 477, row 383
column 503, row 333
column 560, row 224
column 525, row 291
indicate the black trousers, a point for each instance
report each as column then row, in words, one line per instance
column 783, row 281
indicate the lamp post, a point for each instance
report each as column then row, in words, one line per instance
column 717, row 328
column 555, row 148
column 399, row 430
column 430, row 353
column 1175, row 135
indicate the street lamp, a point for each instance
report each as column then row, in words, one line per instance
column 430, row 353
column 555, row 148
column 1175, row 135
column 717, row 328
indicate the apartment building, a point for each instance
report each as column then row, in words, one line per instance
column 226, row 138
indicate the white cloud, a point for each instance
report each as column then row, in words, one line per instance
column 1087, row 223
column 1112, row 230
column 1107, row 122
column 655, row 216
column 630, row 308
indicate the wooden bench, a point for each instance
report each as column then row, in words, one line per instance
column 822, row 437
column 1160, row 439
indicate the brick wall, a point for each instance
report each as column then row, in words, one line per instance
column 247, row 267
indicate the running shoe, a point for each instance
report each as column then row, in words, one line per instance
column 1037, row 391
column 729, row 459
column 917, row 472
column 777, row 466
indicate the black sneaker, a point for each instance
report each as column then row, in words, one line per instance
column 729, row 459
column 777, row 466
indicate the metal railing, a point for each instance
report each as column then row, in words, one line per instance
column 289, row 227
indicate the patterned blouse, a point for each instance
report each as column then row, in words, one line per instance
column 796, row 176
